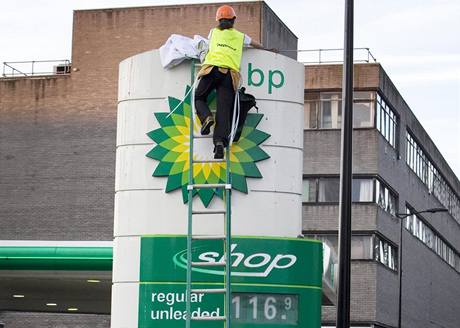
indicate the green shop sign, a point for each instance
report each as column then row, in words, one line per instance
column 275, row 282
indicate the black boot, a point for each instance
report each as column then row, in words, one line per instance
column 206, row 126
column 219, row 150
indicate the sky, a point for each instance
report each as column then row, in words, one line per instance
column 416, row 41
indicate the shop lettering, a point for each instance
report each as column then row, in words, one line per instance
column 262, row 263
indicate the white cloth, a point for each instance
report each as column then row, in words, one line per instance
column 178, row 48
column 247, row 40
column 201, row 46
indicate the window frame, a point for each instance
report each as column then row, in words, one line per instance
column 440, row 246
column 372, row 235
column 390, row 245
column 318, row 99
column 374, row 179
column 422, row 165
column 392, row 115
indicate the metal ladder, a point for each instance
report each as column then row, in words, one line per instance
column 226, row 238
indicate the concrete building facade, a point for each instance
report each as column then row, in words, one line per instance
column 390, row 178
column 57, row 163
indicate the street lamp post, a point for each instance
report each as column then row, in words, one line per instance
column 402, row 216
column 343, row 290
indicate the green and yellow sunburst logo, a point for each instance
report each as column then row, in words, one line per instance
column 173, row 145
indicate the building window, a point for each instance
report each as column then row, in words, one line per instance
column 330, row 111
column 361, row 246
column 417, row 160
column 364, row 190
column 309, row 190
column 311, row 111
column 328, row 190
column 385, row 198
column 363, row 109
column 385, row 253
column 419, row 163
column 386, row 121
column 325, row 111
column 364, row 247
column 420, row 229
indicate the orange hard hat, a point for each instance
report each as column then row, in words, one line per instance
column 225, row 12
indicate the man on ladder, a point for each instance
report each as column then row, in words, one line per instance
column 220, row 71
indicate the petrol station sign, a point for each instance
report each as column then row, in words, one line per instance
column 275, row 281
column 276, row 278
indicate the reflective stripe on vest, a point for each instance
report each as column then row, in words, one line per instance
column 225, row 49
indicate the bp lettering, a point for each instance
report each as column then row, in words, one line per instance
column 272, row 76
column 256, row 77
column 251, row 73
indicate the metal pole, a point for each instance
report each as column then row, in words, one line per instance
column 400, row 270
column 188, row 306
column 343, row 293
column 228, row 241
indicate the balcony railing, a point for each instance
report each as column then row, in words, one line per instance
column 333, row 56
column 63, row 66
column 36, row 67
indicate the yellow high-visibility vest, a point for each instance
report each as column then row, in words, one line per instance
column 225, row 49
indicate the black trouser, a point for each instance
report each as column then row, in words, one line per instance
column 225, row 98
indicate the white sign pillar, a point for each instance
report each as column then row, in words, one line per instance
column 271, row 208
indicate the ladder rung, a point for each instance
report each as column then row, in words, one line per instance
column 210, row 160
column 199, row 136
column 209, row 263
column 210, row 291
column 209, row 237
column 209, row 212
column 220, row 318
column 209, row 186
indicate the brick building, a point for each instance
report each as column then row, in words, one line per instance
column 57, row 162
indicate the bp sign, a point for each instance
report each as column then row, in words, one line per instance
column 173, row 146
column 275, row 281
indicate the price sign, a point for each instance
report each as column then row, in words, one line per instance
column 265, row 308
column 275, row 283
